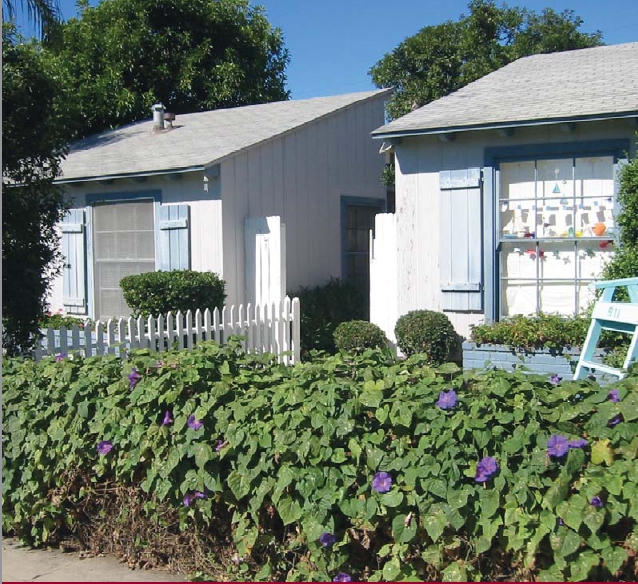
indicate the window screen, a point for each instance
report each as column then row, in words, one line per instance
column 123, row 244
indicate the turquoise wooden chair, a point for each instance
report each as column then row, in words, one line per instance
column 621, row 317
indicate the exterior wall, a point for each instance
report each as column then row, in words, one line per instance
column 301, row 177
column 419, row 160
column 205, row 218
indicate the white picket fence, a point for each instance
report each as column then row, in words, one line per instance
column 269, row 328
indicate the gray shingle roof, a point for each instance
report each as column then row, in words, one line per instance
column 587, row 83
column 197, row 139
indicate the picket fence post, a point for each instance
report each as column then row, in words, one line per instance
column 272, row 327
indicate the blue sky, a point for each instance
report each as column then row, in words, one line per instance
column 333, row 43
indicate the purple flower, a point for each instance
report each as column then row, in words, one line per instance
column 485, row 469
column 327, row 539
column 447, row 399
column 557, row 445
column 560, row 521
column 615, row 420
column 578, row 443
column 220, row 444
column 382, row 483
column 614, row 396
column 167, row 418
column 133, row 377
column 188, row 499
column 342, row 577
column 104, row 447
column 60, row 357
column 194, row 424
column 555, row 379
column 199, row 495
column 597, row 502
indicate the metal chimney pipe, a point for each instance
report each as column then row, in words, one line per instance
column 158, row 116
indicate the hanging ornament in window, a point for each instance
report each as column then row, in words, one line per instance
column 556, row 190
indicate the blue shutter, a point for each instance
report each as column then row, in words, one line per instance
column 74, row 252
column 174, row 238
column 461, row 240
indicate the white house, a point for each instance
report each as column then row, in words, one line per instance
column 271, row 197
column 505, row 190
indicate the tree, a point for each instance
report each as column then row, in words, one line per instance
column 192, row 55
column 33, row 145
column 625, row 261
column 443, row 58
column 45, row 14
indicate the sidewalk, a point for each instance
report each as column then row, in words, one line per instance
column 23, row 564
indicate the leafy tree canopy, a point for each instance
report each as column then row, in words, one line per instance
column 192, row 55
column 443, row 58
column 33, row 145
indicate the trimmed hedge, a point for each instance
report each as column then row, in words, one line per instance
column 378, row 469
column 427, row 332
column 155, row 293
column 356, row 335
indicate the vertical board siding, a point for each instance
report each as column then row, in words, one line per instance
column 174, row 239
column 301, row 177
column 74, row 252
column 277, row 322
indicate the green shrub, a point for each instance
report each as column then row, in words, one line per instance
column 550, row 331
column 155, row 293
column 285, row 455
column 356, row 335
column 428, row 332
column 325, row 307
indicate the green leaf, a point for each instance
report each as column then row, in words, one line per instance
column 490, row 502
column 582, row 564
column 435, row 524
column 570, row 543
column 370, row 399
column 455, row 572
column 289, row 510
column 601, row 453
column 338, row 456
column 404, row 528
column 571, row 512
column 238, row 484
column 203, row 453
column 593, row 518
column 392, row 498
column 391, row 570
column 614, row 558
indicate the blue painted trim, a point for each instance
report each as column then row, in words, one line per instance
column 96, row 198
column 88, row 270
column 489, row 243
column 130, row 175
column 118, row 197
column 618, row 148
column 379, row 134
column 359, row 202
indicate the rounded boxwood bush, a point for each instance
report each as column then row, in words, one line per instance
column 427, row 332
column 154, row 293
column 356, row 335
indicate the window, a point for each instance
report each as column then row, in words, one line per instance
column 123, row 244
column 555, row 229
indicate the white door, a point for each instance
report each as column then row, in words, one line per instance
column 265, row 245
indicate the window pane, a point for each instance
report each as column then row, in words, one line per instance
column 560, row 198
